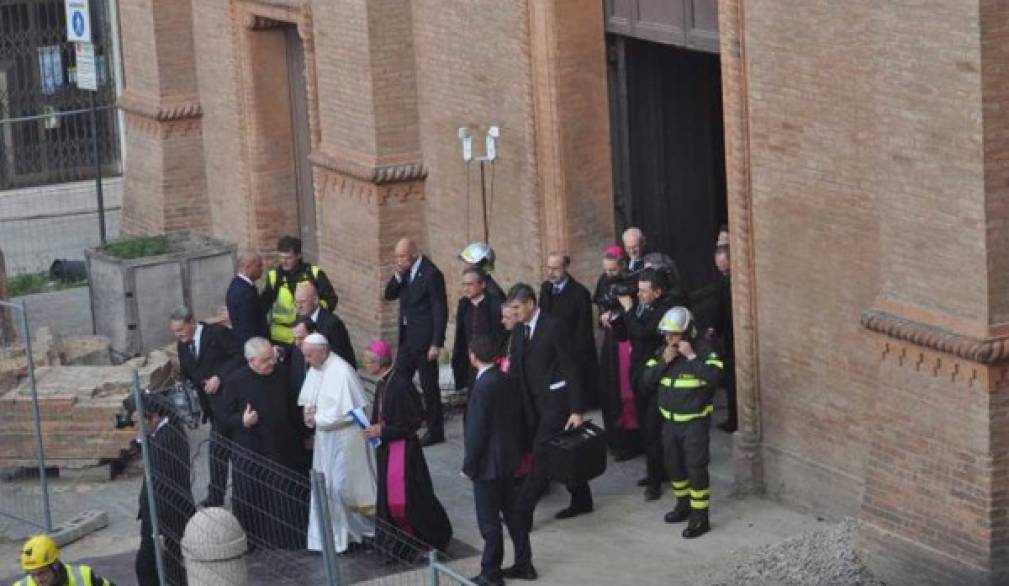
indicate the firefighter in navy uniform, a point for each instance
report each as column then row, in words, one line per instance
column 685, row 378
column 40, row 559
column 481, row 256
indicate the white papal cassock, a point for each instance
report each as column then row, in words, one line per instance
column 341, row 453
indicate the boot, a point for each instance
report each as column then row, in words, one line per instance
column 680, row 513
column 697, row 526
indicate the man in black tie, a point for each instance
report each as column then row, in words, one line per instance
column 248, row 317
column 641, row 318
column 208, row 353
column 548, row 375
column 493, row 452
column 634, row 246
column 423, row 315
column 306, row 301
column 571, row 303
column 478, row 314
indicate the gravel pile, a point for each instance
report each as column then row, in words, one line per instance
column 825, row 557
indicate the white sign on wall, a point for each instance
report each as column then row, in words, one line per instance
column 78, row 21
column 86, row 76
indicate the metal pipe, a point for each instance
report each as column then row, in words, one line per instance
column 432, row 567
column 152, row 505
column 51, row 115
column 326, row 522
column 39, row 444
column 98, row 169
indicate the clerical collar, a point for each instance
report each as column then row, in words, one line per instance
column 476, row 302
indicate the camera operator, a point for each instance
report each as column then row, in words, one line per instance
column 641, row 319
column 168, row 450
column 616, row 395
column 208, row 353
column 675, row 294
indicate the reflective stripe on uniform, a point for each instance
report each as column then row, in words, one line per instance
column 76, row 576
column 703, row 505
column 666, row 381
column 714, row 362
column 651, row 362
column 688, row 383
column 700, row 494
column 684, row 417
column 681, row 488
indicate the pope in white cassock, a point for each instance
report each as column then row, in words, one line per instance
column 331, row 390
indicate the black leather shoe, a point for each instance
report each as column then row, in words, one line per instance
column 520, row 573
column 571, row 512
column 430, row 439
column 677, row 515
column 644, row 482
column 697, row 527
column 482, row 580
column 653, row 493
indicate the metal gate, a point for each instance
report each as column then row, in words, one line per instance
column 45, row 121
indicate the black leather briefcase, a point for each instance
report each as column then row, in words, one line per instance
column 577, row 455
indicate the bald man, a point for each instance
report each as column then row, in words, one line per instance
column 634, row 246
column 247, row 315
column 423, row 314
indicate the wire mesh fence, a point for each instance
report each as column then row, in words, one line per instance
column 23, row 504
column 272, row 503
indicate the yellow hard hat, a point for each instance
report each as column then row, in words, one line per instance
column 677, row 320
column 39, row 551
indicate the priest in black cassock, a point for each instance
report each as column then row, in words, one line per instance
column 406, row 499
column 270, row 496
column 571, row 303
column 478, row 314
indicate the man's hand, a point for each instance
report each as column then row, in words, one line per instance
column 684, row 347
column 250, row 417
column 604, row 319
column 309, row 417
column 373, row 431
column 432, row 353
column 574, row 421
column 212, row 385
column 669, row 353
column 626, row 301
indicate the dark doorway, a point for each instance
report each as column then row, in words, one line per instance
column 668, row 149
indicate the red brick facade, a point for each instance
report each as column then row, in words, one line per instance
column 868, row 204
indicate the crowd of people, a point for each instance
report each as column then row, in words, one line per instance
column 282, row 385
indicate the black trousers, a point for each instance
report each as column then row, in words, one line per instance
column 687, row 450
column 651, row 426
column 533, row 487
column 220, row 456
column 494, row 500
column 410, row 360
column 146, row 567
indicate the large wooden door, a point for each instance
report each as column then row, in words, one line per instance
column 301, row 134
column 692, row 24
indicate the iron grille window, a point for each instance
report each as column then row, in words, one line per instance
column 45, row 127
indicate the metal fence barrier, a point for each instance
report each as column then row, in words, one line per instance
column 24, row 503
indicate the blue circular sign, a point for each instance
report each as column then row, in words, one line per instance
column 77, row 21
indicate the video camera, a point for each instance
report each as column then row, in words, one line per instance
column 180, row 400
column 619, row 286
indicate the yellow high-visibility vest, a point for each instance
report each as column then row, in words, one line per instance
column 79, row 575
column 283, row 313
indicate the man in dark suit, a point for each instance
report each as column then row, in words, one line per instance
column 548, row 375
column 571, row 303
column 493, row 452
column 478, row 314
column 168, row 450
column 208, row 353
column 641, row 318
column 634, row 245
column 423, row 314
column 306, row 300
column 247, row 315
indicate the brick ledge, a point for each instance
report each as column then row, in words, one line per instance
column 987, row 351
column 376, row 174
column 154, row 109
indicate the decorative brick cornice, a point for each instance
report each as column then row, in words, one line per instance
column 986, row 351
column 376, row 174
column 160, row 111
column 261, row 23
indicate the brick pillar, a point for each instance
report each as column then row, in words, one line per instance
column 164, row 181
column 937, row 468
column 369, row 176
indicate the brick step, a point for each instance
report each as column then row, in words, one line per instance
column 66, row 445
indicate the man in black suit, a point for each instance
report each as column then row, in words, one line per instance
column 247, row 315
column 306, row 300
column 571, row 303
column 548, row 375
column 634, row 245
column 641, row 318
column 423, row 315
column 168, row 449
column 208, row 353
column 493, row 452
column 478, row 314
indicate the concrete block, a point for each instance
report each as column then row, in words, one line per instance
column 83, row 524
